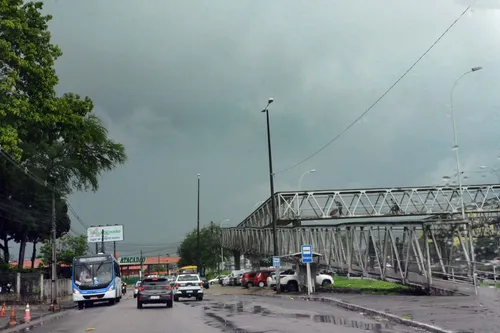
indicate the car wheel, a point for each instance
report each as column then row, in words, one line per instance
column 292, row 286
column 176, row 298
column 135, row 296
column 326, row 283
column 169, row 304
column 199, row 298
column 262, row 284
column 139, row 305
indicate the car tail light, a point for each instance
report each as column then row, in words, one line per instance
column 142, row 288
column 167, row 287
column 201, row 284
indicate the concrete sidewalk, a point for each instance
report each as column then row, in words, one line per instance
column 37, row 311
column 456, row 313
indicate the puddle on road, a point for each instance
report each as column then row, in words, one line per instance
column 327, row 319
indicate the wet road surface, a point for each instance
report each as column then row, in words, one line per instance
column 220, row 314
column 461, row 314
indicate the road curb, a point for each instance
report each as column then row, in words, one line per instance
column 357, row 308
column 40, row 321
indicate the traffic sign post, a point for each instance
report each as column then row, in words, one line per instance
column 276, row 265
column 276, row 261
column 307, row 258
column 307, row 254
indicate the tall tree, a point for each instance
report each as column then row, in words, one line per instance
column 209, row 248
column 57, row 138
column 27, row 74
column 68, row 248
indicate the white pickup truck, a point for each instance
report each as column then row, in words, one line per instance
column 289, row 280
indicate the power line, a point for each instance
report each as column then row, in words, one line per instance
column 381, row 97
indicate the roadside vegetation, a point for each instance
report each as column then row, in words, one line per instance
column 367, row 286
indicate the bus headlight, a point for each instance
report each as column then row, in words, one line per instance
column 75, row 291
column 111, row 288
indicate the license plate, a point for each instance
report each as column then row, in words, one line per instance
column 94, row 297
column 155, row 297
column 189, row 291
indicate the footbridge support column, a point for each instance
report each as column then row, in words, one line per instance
column 237, row 263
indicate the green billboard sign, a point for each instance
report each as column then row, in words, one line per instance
column 132, row 260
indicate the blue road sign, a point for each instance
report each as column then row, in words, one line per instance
column 276, row 261
column 307, row 254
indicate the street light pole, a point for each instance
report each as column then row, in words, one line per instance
column 305, row 173
column 297, row 213
column 484, row 167
column 271, row 185
column 198, row 230
column 455, row 137
column 271, row 178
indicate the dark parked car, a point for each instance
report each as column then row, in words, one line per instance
column 155, row 291
column 206, row 285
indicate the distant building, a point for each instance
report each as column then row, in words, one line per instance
column 131, row 266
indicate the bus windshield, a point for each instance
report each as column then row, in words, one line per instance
column 92, row 274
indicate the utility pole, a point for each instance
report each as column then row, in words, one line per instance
column 54, row 252
column 198, row 250
column 102, row 241
column 140, row 273
column 213, row 244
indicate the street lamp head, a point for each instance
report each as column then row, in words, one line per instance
column 199, row 175
column 270, row 100
column 312, row 170
column 475, row 69
column 483, row 166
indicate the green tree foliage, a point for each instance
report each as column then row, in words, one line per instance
column 27, row 74
column 68, row 247
column 57, row 138
column 209, row 248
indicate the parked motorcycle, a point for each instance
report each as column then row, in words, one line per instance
column 124, row 288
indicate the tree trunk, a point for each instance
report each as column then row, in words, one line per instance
column 33, row 255
column 5, row 248
column 22, row 251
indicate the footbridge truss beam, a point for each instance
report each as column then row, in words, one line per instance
column 420, row 253
column 375, row 202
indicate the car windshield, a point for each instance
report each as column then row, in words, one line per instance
column 187, row 278
column 95, row 275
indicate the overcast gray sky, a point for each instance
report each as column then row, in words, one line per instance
column 182, row 84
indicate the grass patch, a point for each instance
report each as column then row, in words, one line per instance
column 364, row 286
column 490, row 284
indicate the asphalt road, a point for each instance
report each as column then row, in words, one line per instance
column 219, row 314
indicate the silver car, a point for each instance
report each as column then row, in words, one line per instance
column 136, row 288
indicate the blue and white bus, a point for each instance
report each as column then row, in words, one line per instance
column 96, row 278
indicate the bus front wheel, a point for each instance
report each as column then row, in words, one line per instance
column 80, row 305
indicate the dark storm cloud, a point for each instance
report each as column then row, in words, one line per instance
column 182, row 83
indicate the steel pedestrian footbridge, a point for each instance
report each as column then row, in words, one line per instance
column 414, row 235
